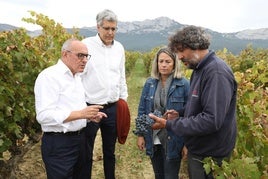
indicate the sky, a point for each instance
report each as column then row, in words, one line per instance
column 219, row 15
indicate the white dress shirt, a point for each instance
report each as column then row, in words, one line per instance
column 104, row 76
column 57, row 93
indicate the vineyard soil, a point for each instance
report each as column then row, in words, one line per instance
column 30, row 166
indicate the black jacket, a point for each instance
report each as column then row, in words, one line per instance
column 209, row 122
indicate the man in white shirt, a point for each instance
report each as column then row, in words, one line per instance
column 62, row 112
column 105, row 83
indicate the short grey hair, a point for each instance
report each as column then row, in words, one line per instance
column 106, row 15
column 67, row 44
column 177, row 64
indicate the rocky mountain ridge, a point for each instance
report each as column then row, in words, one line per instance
column 147, row 34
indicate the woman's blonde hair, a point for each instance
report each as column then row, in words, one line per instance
column 177, row 64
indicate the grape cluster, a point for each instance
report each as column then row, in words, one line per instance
column 144, row 122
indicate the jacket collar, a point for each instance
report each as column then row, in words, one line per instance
column 207, row 59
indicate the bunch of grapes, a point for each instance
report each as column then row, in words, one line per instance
column 144, row 122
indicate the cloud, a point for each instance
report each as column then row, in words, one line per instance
column 222, row 16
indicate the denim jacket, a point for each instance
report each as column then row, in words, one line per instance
column 176, row 99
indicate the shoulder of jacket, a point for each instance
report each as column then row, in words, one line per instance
column 151, row 80
column 181, row 81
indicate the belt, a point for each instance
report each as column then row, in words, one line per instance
column 71, row 133
column 108, row 105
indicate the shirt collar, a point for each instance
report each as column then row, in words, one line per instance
column 64, row 68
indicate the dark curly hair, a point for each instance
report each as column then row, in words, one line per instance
column 191, row 37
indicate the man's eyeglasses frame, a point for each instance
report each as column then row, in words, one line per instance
column 80, row 56
column 113, row 29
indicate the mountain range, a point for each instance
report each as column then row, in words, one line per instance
column 150, row 33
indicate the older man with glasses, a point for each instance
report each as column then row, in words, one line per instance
column 62, row 113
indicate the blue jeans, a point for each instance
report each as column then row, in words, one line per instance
column 164, row 168
column 108, row 134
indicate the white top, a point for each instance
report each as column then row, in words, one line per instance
column 57, row 94
column 104, row 76
column 155, row 137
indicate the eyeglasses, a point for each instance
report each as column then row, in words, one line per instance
column 109, row 28
column 80, row 56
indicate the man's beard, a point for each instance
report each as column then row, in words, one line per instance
column 192, row 63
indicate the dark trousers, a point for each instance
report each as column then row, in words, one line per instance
column 164, row 168
column 64, row 156
column 108, row 134
column 195, row 166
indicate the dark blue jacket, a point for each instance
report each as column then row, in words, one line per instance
column 209, row 122
column 177, row 97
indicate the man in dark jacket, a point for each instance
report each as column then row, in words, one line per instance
column 209, row 122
